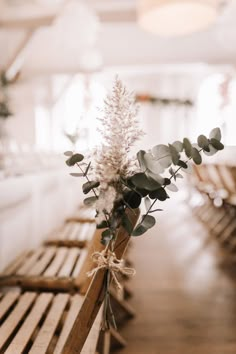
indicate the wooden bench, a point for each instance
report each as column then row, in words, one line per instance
column 72, row 234
column 39, row 323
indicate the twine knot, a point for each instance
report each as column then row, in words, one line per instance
column 107, row 259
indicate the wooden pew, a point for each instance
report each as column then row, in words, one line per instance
column 39, row 323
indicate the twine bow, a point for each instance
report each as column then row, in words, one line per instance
column 107, row 259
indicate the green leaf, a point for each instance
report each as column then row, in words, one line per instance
column 147, row 203
column 140, row 180
column 139, row 230
column 172, row 187
column 74, row 159
column 68, row 153
column 159, row 194
column 87, row 169
column 167, row 181
column 196, row 156
column 140, row 157
column 215, row 134
column 174, row 154
column 102, row 225
column 153, row 164
column 90, row 201
column 187, row 147
column 203, row 142
column 77, row 174
column 156, row 176
column 106, row 236
column 147, row 222
column 126, row 223
column 182, row 164
column 133, row 199
column 178, row 175
column 162, row 155
column 216, row 144
column 88, row 186
column 178, row 146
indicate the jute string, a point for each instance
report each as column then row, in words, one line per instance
column 107, row 259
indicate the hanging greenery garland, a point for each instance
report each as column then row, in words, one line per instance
column 146, row 98
column 5, row 111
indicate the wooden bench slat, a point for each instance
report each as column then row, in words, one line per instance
column 84, row 232
column 29, row 262
column 25, row 333
column 76, row 303
column 90, row 231
column 15, row 317
column 80, row 262
column 49, row 327
column 57, row 262
column 40, row 266
column 68, row 265
column 14, row 266
column 7, row 301
column 75, row 230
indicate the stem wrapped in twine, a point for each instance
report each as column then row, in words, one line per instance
column 107, row 259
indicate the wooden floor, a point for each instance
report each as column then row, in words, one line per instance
column 185, row 299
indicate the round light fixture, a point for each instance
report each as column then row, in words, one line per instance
column 176, row 17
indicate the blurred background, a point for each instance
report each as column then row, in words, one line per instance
column 58, row 61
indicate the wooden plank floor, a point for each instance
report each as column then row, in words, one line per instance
column 185, row 299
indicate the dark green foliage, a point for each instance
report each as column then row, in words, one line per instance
column 88, row 186
column 74, row 159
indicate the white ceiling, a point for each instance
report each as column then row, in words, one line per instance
column 121, row 42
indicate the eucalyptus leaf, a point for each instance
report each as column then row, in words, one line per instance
column 77, row 174
column 88, row 186
column 172, row 187
column 68, row 153
column 215, row 134
column 203, row 142
column 148, row 221
column 182, row 164
column 216, row 144
column 196, row 156
column 147, row 203
column 140, row 180
column 106, row 236
column 159, row 194
column 162, row 154
column 74, row 159
column 157, row 177
column 174, row 154
column 133, row 199
column 139, row 230
column 102, row 225
column 140, row 157
column 152, row 163
column 90, row 201
column 187, row 147
column 178, row 146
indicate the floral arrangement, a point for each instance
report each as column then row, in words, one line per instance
column 116, row 180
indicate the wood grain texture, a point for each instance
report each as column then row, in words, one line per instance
column 184, row 293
